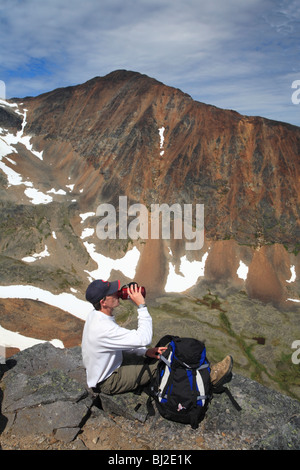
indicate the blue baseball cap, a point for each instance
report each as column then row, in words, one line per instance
column 99, row 289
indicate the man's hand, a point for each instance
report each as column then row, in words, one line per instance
column 155, row 353
column 134, row 293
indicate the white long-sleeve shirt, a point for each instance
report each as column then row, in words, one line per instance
column 103, row 341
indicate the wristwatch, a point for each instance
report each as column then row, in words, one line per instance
column 142, row 305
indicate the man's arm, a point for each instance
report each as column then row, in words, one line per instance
column 134, row 293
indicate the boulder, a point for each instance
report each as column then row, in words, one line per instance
column 44, row 391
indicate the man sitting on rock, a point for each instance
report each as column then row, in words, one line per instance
column 114, row 356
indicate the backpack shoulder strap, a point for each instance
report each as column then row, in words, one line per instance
column 145, row 368
column 162, row 342
column 223, row 389
column 162, row 358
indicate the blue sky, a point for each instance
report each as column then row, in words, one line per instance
column 234, row 54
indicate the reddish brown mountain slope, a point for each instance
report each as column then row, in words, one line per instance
column 244, row 169
column 104, row 134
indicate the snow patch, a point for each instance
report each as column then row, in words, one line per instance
column 67, row 302
column 37, row 197
column 10, row 339
column 4, row 103
column 161, row 131
column 242, row 271
column 20, row 138
column 87, row 232
column 42, row 254
column 293, row 275
column 7, row 146
column 190, row 271
column 59, row 191
column 86, row 215
column 127, row 265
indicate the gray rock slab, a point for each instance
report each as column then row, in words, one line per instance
column 27, row 391
column 66, row 434
column 44, row 357
column 45, row 419
column 265, row 413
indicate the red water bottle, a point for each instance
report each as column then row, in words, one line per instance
column 123, row 293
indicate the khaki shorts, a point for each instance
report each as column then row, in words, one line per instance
column 124, row 379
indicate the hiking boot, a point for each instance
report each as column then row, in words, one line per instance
column 221, row 372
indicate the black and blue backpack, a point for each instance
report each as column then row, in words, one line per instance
column 182, row 388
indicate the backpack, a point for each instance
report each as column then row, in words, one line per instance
column 181, row 387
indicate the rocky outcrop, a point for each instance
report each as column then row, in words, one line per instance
column 45, row 402
column 44, row 391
